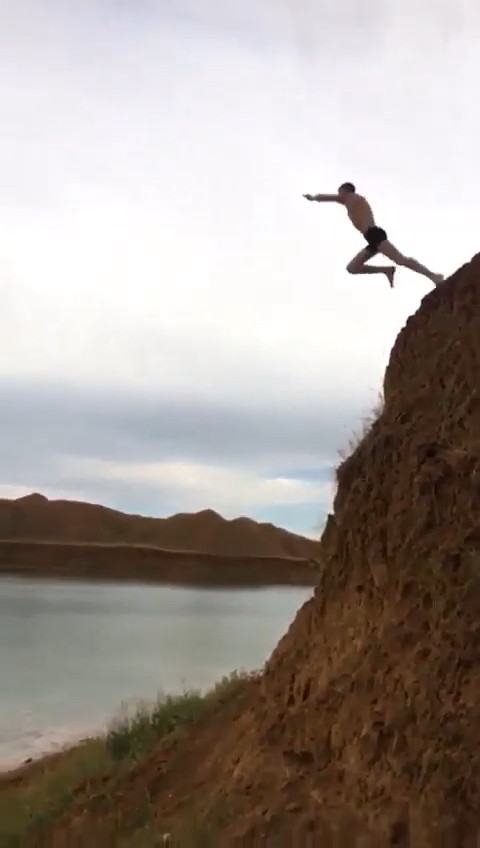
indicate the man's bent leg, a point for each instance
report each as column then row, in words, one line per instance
column 358, row 266
column 391, row 252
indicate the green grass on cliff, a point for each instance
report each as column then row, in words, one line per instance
column 31, row 801
column 133, row 735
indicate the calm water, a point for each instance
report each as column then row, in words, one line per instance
column 72, row 653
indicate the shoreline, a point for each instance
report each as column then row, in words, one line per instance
column 148, row 564
column 14, row 774
column 13, row 767
column 38, row 800
column 59, row 569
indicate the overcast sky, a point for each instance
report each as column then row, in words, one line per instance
column 177, row 327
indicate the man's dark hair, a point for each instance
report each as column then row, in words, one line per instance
column 347, row 187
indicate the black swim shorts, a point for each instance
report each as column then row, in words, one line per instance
column 374, row 237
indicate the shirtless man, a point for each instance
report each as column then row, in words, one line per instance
column 361, row 216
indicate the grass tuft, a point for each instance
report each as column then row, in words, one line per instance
column 31, row 804
column 366, row 423
column 132, row 735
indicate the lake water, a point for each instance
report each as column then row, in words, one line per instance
column 72, row 654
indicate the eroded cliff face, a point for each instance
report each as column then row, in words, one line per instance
column 367, row 715
column 364, row 728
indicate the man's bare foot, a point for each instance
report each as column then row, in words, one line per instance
column 437, row 278
column 390, row 273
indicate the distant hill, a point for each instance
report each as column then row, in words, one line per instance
column 36, row 518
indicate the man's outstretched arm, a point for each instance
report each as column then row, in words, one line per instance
column 323, row 198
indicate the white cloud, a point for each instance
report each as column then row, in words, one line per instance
column 229, row 491
column 14, row 491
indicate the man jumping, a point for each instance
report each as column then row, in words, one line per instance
column 360, row 213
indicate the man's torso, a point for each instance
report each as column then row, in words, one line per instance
column 360, row 212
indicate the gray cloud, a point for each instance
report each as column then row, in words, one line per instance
column 41, row 421
column 43, row 427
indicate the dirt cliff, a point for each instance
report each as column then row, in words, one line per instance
column 149, row 564
column 364, row 728
column 36, row 518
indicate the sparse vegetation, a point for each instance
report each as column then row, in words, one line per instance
column 30, row 805
column 28, row 808
column 132, row 735
column 366, row 423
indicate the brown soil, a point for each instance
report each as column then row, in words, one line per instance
column 147, row 563
column 36, row 518
column 44, row 538
column 364, row 728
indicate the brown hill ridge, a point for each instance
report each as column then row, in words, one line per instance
column 364, row 728
column 35, row 518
